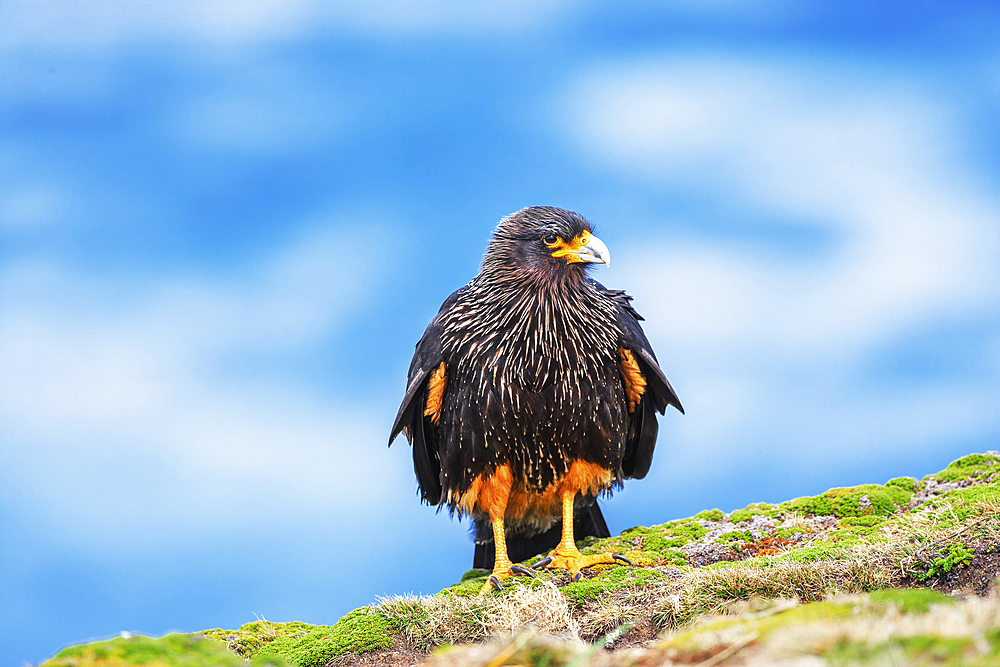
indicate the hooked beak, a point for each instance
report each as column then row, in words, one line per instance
column 594, row 252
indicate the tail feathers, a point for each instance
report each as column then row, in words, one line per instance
column 587, row 522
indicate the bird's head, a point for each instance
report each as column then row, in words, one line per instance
column 545, row 241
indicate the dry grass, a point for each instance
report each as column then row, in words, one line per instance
column 448, row 619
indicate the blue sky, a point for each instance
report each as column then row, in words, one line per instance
column 224, row 225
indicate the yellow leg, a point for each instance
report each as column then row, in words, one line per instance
column 566, row 556
column 501, row 563
column 568, row 543
column 496, row 502
column 501, row 566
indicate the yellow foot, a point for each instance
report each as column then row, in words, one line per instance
column 500, row 572
column 573, row 561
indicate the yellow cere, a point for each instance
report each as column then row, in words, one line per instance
column 570, row 250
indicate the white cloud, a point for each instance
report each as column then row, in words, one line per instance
column 77, row 24
column 119, row 410
column 779, row 344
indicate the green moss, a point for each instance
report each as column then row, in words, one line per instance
column 475, row 574
column 670, row 557
column 979, row 467
column 820, row 550
column 854, row 529
column 881, row 500
column 685, row 529
column 910, row 600
column 711, row 515
column 361, row 631
column 869, row 521
column 610, row 579
column 635, row 536
column 856, row 536
column 661, row 544
column 644, row 558
column 252, row 637
column 663, row 540
column 180, row 650
column 467, row 588
column 735, row 536
column 755, row 509
column 907, row 484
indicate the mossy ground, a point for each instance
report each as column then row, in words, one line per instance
column 361, row 631
column 176, row 650
column 847, row 540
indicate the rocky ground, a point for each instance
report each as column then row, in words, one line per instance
column 898, row 573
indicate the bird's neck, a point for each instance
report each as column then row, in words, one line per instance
column 531, row 297
column 550, row 281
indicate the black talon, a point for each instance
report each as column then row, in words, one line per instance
column 542, row 563
column 496, row 582
column 577, row 577
column 622, row 559
column 522, row 570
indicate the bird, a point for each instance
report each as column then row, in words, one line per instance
column 532, row 392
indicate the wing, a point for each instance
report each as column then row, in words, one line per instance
column 647, row 389
column 419, row 412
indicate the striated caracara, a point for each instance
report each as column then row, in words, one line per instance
column 532, row 391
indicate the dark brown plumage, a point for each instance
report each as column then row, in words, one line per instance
column 533, row 390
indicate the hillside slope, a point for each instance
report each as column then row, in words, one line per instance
column 734, row 588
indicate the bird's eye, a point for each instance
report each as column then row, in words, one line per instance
column 550, row 239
